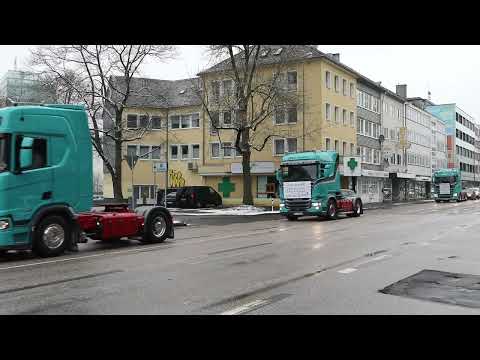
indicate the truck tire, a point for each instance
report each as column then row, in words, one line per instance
column 358, row 208
column 157, row 228
column 332, row 211
column 52, row 235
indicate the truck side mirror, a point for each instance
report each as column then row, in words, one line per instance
column 277, row 175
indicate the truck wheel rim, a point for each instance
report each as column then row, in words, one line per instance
column 332, row 210
column 159, row 226
column 53, row 236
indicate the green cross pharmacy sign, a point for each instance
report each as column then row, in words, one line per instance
column 352, row 166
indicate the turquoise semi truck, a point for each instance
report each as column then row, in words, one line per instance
column 310, row 186
column 46, row 186
column 448, row 185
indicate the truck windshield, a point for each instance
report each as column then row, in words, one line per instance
column 445, row 179
column 299, row 172
column 4, row 141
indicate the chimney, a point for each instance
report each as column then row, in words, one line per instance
column 402, row 91
column 336, row 56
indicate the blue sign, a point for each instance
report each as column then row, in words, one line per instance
column 159, row 167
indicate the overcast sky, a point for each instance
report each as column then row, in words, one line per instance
column 450, row 72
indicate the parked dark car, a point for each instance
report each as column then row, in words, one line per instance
column 172, row 199
column 197, row 197
column 161, row 196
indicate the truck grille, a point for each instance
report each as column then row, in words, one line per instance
column 298, row 204
column 437, row 190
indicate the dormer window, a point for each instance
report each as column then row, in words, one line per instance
column 264, row 52
column 278, row 51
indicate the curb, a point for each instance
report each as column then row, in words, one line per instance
column 392, row 205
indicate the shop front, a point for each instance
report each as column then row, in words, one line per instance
column 372, row 185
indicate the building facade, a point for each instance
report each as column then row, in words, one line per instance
column 23, row 86
column 369, row 141
column 462, row 149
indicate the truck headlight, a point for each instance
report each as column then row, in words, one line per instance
column 4, row 224
column 435, row 195
column 455, row 194
column 282, row 205
column 316, row 204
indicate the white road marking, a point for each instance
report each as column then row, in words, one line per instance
column 375, row 259
column 244, row 308
column 347, row 270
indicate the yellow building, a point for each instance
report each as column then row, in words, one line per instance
column 324, row 117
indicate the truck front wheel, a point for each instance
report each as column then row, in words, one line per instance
column 157, row 228
column 358, row 209
column 51, row 236
column 332, row 210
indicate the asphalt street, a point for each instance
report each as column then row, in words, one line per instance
column 256, row 265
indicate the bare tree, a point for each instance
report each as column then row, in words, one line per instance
column 102, row 78
column 251, row 96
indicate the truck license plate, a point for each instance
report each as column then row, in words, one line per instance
column 298, row 214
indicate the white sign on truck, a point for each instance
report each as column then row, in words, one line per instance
column 297, row 190
column 444, row 188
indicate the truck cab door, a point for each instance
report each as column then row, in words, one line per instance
column 33, row 182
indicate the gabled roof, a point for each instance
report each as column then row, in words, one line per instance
column 155, row 93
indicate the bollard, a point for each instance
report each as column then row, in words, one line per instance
column 272, row 204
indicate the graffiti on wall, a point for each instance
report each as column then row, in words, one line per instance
column 175, row 178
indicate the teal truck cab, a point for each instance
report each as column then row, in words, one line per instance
column 310, row 186
column 46, row 185
column 448, row 185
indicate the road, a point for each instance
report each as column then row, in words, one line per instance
column 263, row 265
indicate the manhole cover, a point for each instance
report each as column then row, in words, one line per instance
column 439, row 286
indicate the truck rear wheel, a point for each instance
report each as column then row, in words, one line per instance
column 332, row 212
column 157, row 228
column 51, row 236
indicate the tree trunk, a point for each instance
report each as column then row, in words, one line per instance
column 117, row 179
column 247, row 179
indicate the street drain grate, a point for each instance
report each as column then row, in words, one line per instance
column 439, row 286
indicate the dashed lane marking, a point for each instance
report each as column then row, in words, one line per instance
column 347, row 270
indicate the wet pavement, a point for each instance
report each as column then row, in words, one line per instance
column 256, row 265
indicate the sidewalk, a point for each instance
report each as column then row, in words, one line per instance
column 389, row 205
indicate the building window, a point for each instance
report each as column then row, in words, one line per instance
column 344, row 117
column 227, row 149
column 327, row 112
column 143, row 121
column 195, row 120
column 174, row 122
column 345, row 89
column 279, row 115
column 352, row 119
column 156, row 122
column 227, row 118
column 291, row 145
column 144, row 152
column 215, row 150
column 352, row 90
column 174, row 152
column 336, row 146
column 185, row 151
column 327, row 144
column 131, row 150
column 132, row 121
column 156, row 152
column 352, row 149
column 328, row 80
column 279, row 146
column 184, row 121
column 337, row 84
column 337, row 115
column 216, row 90
column 227, row 87
column 344, row 148
column 292, row 114
column 214, row 122
column 196, row 151
column 292, row 80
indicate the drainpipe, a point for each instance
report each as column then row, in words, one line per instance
column 303, row 105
